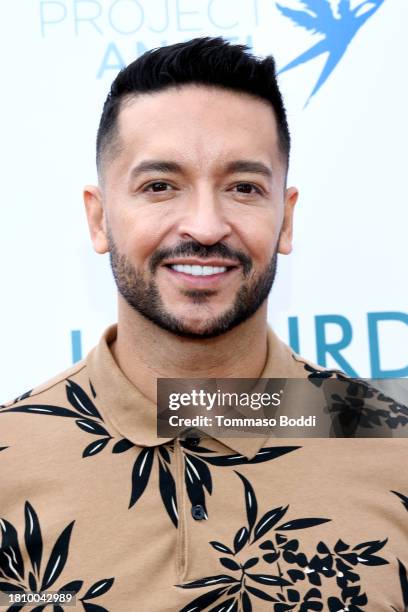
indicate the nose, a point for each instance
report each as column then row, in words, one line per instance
column 204, row 218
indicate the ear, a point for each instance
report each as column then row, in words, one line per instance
column 286, row 233
column 96, row 218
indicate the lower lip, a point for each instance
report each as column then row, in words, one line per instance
column 210, row 280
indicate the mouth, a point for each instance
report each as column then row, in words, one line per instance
column 201, row 275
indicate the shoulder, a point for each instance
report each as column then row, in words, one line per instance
column 45, row 421
column 49, row 388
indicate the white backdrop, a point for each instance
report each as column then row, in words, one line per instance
column 349, row 162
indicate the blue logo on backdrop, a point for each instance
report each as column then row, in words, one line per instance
column 132, row 20
column 337, row 31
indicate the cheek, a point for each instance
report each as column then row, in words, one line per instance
column 260, row 235
column 137, row 235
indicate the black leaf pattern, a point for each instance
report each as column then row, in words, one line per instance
column 270, row 580
column 241, row 538
column 122, row 446
column 6, row 587
column 202, row 471
column 251, row 503
column 258, row 593
column 99, row 588
column 203, row 601
column 301, row 524
column 95, row 447
column 11, row 560
column 250, row 563
column 265, row 454
column 325, row 564
column 92, row 427
column 74, row 586
column 54, row 567
column 209, row 581
column 164, row 453
column 92, row 390
column 168, row 492
column 402, row 570
column 268, row 521
column 221, row 548
column 23, row 396
column 141, row 473
column 44, row 409
column 91, row 607
column 80, row 400
column 33, row 537
column 15, row 608
column 194, row 485
column 229, row 605
column 403, row 498
column 246, row 603
column 32, row 582
column 57, row 558
column 229, row 563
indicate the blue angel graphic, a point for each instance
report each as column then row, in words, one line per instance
column 317, row 17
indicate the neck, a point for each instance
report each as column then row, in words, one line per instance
column 145, row 352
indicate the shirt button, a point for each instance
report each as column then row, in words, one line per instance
column 193, row 441
column 198, row 512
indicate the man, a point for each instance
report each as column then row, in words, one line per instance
column 193, row 207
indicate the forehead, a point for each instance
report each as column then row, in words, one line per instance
column 199, row 126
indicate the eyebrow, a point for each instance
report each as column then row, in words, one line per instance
column 244, row 165
column 155, row 166
column 236, row 166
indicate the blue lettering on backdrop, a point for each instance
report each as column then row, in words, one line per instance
column 373, row 319
column 166, row 23
column 335, row 28
column 76, row 345
column 333, row 349
column 323, row 348
column 293, row 325
column 182, row 25
column 78, row 17
column 135, row 24
column 52, row 17
column 224, row 25
column 113, row 60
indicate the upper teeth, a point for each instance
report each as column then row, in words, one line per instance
column 198, row 270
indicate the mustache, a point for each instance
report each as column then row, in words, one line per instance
column 203, row 251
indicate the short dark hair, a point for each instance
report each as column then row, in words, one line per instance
column 204, row 61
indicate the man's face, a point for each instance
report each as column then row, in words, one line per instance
column 193, row 208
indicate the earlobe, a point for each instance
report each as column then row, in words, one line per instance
column 96, row 218
column 286, row 234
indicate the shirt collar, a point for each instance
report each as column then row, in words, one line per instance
column 134, row 415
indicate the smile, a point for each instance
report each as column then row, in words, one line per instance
column 200, row 276
column 196, row 270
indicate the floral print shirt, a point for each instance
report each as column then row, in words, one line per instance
column 92, row 502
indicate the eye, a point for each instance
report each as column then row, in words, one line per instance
column 157, row 187
column 247, row 188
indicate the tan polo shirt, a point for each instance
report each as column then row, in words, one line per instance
column 93, row 503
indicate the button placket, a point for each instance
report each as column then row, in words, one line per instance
column 181, row 545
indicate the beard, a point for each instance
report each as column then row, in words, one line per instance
column 144, row 296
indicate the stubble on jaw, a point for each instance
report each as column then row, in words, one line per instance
column 144, row 296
